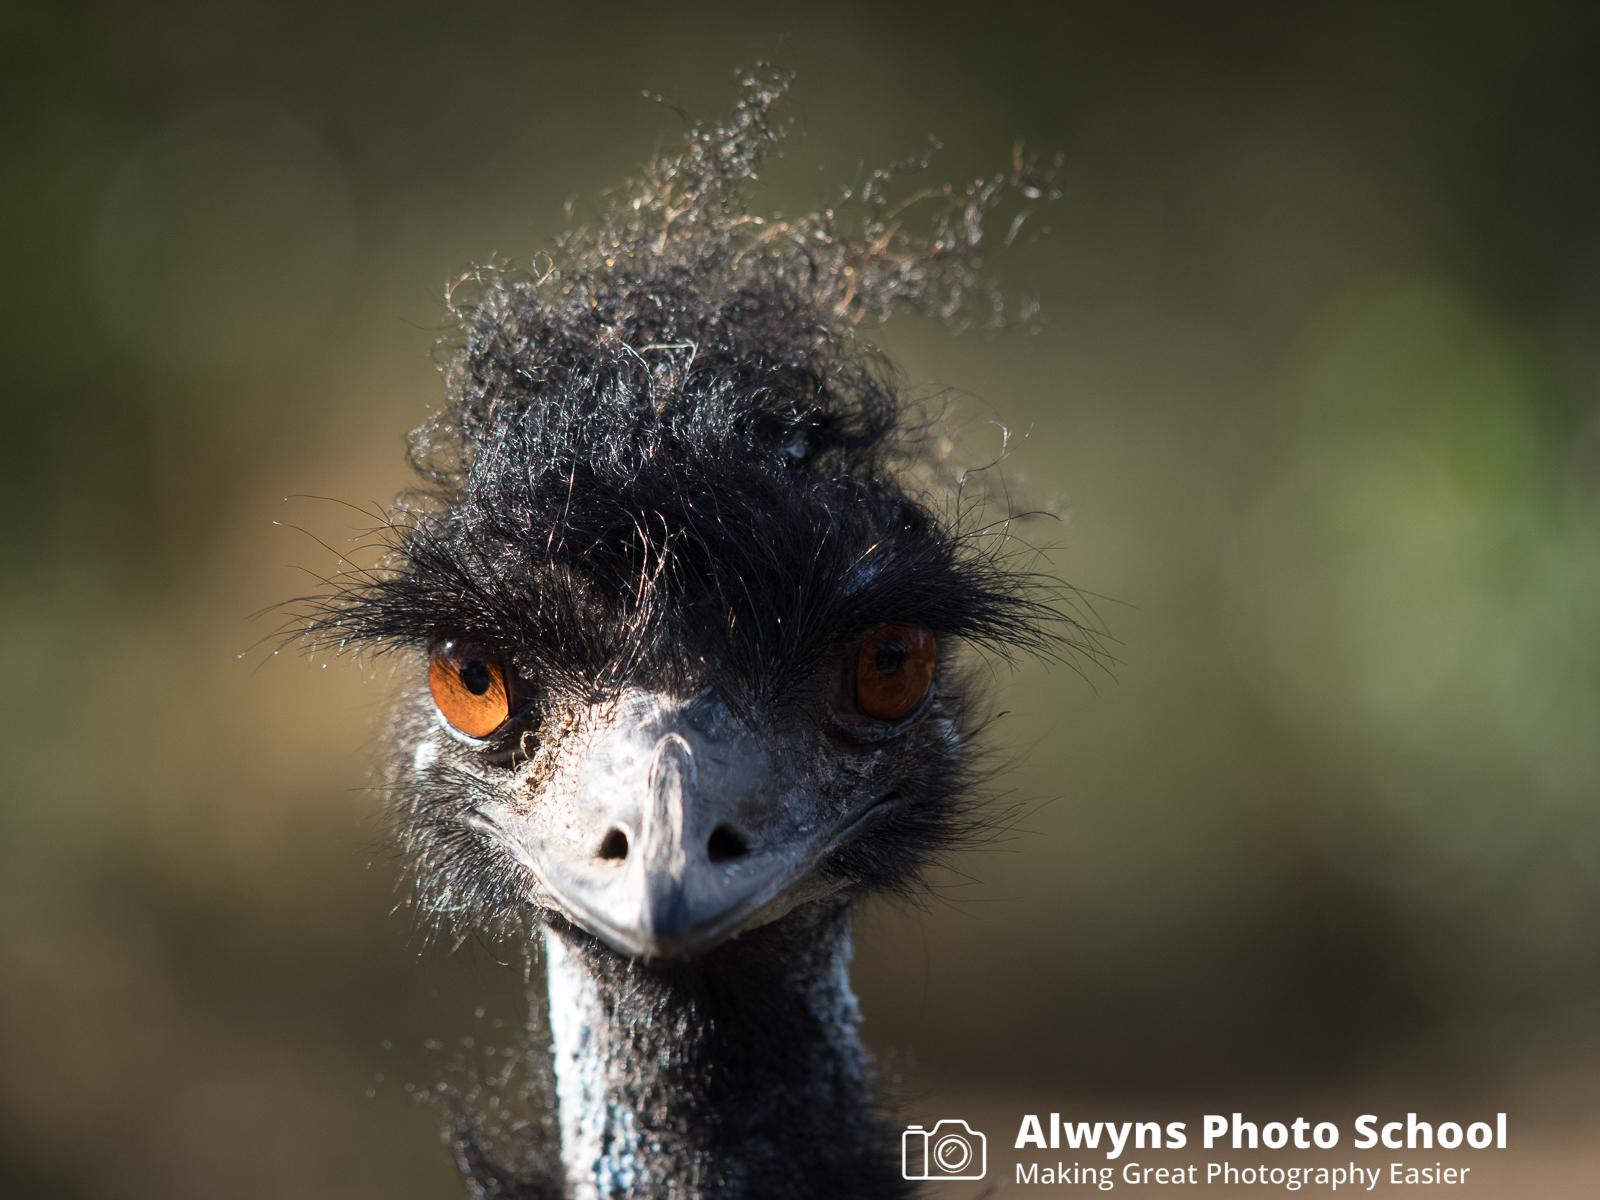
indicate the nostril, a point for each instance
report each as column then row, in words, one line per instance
column 726, row 843
column 614, row 845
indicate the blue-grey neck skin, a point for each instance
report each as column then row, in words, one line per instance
column 600, row 1145
column 738, row 1075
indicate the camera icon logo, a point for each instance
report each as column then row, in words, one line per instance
column 950, row 1150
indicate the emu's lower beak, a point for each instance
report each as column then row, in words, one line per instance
column 680, row 832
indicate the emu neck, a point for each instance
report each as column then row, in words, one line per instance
column 738, row 1075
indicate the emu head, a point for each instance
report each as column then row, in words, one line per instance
column 682, row 647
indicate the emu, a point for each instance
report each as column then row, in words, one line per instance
column 686, row 617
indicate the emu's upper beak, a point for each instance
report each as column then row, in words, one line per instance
column 678, row 831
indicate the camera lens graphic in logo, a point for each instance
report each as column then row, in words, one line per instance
column 950, row 1150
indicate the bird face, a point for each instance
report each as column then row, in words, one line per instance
column 670, row 678
column 664, row 821
column 669, row 701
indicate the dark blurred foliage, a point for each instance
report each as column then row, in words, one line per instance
column 1314, row 383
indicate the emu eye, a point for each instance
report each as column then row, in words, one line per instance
column 469, row 686
column 894, row 670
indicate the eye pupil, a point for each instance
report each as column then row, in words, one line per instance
column 475, row 675
column 890, row 657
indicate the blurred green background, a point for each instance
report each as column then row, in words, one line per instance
column 1316, row 382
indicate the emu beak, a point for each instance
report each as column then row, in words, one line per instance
column 678, row 833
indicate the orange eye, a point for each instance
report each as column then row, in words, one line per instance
column 469, row 687
column 894, row 670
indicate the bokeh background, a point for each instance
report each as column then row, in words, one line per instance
column 1315, row 383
